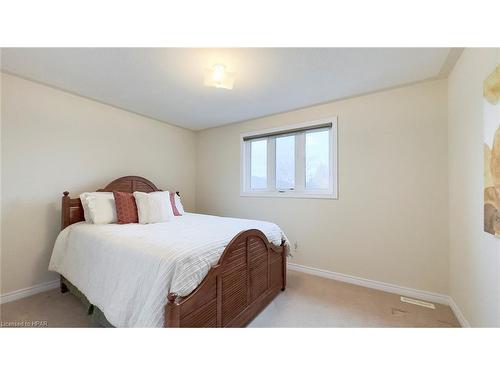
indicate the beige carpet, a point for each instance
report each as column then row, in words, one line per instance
column 309, row 301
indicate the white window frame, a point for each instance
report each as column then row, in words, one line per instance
column 299, row 191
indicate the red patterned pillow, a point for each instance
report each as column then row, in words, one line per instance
column 126, row 208
column 174, row 208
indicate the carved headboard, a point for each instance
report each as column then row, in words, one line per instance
column 72, row 210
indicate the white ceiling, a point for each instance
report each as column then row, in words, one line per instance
column 167, row 83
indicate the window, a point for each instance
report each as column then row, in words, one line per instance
column 285, row 162
column 297, row 161
column 258, row 164
column 317, row 159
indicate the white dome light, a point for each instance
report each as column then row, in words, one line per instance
column 218, row 77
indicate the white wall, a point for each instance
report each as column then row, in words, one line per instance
column 474, row 255
column 54, row 141
column 390, row 222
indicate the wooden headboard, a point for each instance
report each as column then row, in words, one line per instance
column 72, row 210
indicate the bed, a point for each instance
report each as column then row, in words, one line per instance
column 195, row 271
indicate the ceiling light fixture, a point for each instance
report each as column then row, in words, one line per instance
column 218, row 77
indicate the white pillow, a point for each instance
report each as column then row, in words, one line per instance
column 153, row 207
column 178, row 205
column 83, row 198
column 102, row 208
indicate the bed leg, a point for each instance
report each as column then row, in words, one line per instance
column 64, row 288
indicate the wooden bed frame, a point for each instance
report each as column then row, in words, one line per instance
column 249, row 275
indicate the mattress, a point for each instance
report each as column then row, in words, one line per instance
column 128, row 270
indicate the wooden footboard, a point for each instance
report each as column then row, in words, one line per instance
column 250, row 273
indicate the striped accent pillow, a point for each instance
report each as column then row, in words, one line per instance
column 126, row 208
column 174, row 207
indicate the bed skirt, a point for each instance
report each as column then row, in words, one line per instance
column 95, row 313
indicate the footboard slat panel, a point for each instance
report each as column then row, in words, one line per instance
column 205, row 316
column 249, row 274
column 258, row 279
column 234, row 295
column 208, row 293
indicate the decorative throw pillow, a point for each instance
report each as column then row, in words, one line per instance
column 126, row 209
column 102, row 208
column 179, row 205
column 175, row 201
column 86, row 210
column 153, row 207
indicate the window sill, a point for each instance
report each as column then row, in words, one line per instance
column 267, row 194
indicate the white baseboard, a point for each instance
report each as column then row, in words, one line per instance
column 386, row 287
column 458, row 313
column 26, row 292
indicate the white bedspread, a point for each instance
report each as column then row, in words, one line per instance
column 128, row 270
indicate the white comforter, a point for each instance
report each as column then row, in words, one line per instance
column 128, row 270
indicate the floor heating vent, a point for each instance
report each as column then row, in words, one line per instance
column 418, row 302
